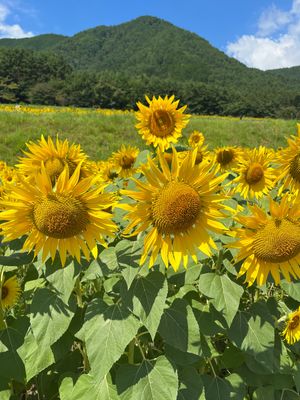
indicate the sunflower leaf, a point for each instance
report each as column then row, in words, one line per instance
column 107, row 330
column 225, row 295
column 151, row 380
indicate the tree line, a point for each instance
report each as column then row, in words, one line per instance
column 47, row 79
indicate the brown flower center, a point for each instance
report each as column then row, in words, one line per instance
column 295, row 168
column 224, row 157
column 161, row 123
column 127, row 162
column 60, row 216
column 254, row 173
column 295, row 322
column 4, row 292
column 278, row 241
column 176, row 208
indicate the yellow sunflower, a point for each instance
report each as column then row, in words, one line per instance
column 196, row 139
column 288, row 160
column 269, row 243
column 107, row 171
column 179, row 205
column 55, row 156
column 255, row 175
column 71, row 217
column 161, row 123
column 123, row 160
column 291, row 332
column 228, row 157
column 10, row 291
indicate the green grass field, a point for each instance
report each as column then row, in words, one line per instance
column 101, row 134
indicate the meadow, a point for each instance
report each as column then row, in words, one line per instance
column 101, row 133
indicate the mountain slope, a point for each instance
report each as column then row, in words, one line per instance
column 151, row 46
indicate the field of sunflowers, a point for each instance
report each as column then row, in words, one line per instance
column 163, row 274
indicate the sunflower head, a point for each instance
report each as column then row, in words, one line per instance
column 228, row 157
column 69, row 218
column 55, row 156
column 178, row 204
column 196, row 139
column 10, row 291
column 291, row 332
column 269, row 244
column 161, row 123
column 256, row 176
column 123, row 160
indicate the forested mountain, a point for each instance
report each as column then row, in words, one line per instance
column 153, row 56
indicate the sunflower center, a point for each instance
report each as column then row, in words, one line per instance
column 176, row 208
column 4, row 292
column 126, row 162
column 224, row 157
column 60, row 216
column 278, row 241
column 295, row 168
column 55, row 166
column 254, row 173
column 295, row 322
column 161, row 123
column 199, row 157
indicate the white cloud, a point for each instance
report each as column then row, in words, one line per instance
column 276, row 43
column 13, row 31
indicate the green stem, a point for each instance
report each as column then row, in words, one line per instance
column 2, row 319
column 131, row 351
column 78, row 292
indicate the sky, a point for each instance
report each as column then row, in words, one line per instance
column 263, row 34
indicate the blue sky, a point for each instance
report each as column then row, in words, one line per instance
column 260, row 33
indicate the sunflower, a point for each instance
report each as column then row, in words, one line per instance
column 255, row 175
column 123, row 160
column 288, row 160
column 10, row 291
column 179, row 205
column 269, row 243
column 55, row 156
column 161, row 123
column 291, row 332
column 228, row 157
column 106, row 171
column 62, row 218
column 196, row 139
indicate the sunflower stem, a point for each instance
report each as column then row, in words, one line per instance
column 131, row 351
column 2, row 319
column 212, row 367
column 78, row 292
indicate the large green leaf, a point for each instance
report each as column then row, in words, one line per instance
column 148, row 295
column 16, row 259
column 216, row 388
column 253, row 332
column 292, row 289
column 11, row 339
column 107, row 331
column 85, row 386
column 128, row 256
column 34, row 357
column 63, row 280
column 191, row 385
column 151, row 380
column 225, row 295
column 50, row 316
column 179, row 327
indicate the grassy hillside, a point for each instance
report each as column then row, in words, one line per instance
column 100, row 134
